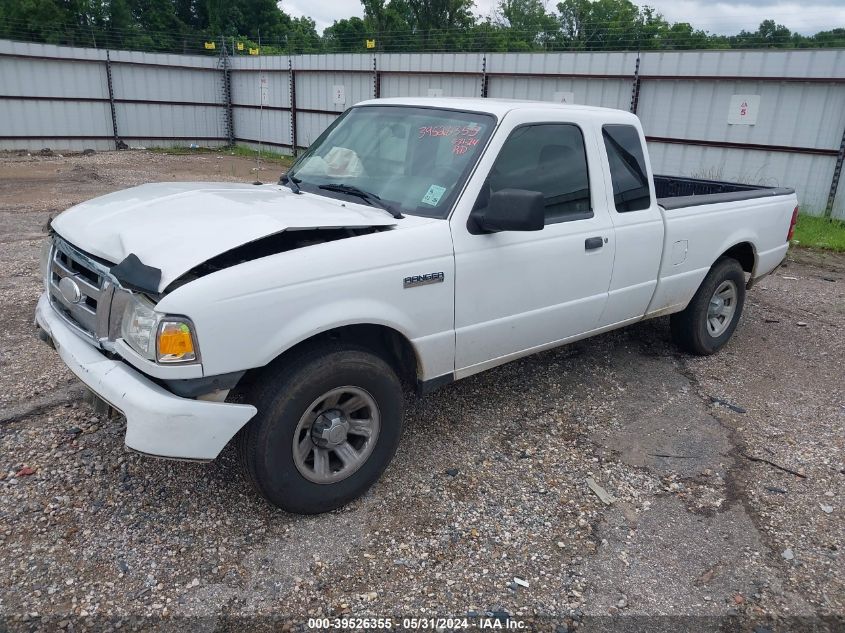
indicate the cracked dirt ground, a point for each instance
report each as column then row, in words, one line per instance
column 488, row 485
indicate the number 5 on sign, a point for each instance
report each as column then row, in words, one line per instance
column 743, row 109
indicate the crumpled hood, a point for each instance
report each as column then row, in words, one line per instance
column 175, row 226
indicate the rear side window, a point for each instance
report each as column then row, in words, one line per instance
column 549, row 158
column 627, row 168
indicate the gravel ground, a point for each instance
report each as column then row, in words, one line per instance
column 727, row 472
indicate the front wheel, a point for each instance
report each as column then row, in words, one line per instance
column 329, row 421
column 708, row 322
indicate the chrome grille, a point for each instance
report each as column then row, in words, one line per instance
column 80, row 290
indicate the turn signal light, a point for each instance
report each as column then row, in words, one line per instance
column 175, row 342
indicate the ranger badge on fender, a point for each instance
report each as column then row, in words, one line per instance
column 423, row 280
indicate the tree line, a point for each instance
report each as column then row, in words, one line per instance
column 190, row 26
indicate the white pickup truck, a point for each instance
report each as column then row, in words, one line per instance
column 417, row 241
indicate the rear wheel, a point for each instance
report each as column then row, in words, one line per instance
column 329, row 421
column 708, row 322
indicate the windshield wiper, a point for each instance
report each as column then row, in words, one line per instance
column 372, row 199
column 292, row 182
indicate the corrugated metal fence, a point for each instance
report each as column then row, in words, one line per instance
column 791, row 131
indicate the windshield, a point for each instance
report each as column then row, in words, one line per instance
column 415, row 160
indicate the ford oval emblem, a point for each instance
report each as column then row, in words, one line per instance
column 70, row 290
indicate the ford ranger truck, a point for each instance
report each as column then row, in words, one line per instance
column 416, row 242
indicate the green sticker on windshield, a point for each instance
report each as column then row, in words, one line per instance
column 433, row 195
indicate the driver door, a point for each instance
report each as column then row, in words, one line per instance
column 521, row 291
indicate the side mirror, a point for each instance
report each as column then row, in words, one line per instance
column 512, row 210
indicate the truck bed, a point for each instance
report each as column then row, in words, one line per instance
column 675, row 192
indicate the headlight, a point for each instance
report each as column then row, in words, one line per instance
column 139, row 325
column 158, row 337
column 44, row 260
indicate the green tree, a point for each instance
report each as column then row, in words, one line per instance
column 609, row 25
column 527, row 25
column 682, row 35
column 772, row 34
column 833, row 39
column 389, row 22
column 302, row 36
column 39, row 20
column 345, row 36
column 486, row 36
column 438, row 23
column 159, row 28
column 768, row 35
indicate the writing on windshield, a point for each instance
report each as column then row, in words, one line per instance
column 412, row 159
column 464, row 137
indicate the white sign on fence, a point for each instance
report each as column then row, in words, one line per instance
column 743, row 110
column 264, row 87
column 435, row 92
column 339, row 95
column 563, row 97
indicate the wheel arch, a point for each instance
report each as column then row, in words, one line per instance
column 744, row 253
column 387, row 342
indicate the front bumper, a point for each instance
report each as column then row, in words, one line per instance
column 157, row 422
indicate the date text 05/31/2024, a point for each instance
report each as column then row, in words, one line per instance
column 433, row 624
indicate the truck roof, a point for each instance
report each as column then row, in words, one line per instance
column 499, row 107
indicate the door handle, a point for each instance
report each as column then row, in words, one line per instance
column 592, row 243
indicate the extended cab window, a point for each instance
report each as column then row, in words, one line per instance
column 627, row 168
column 549, row 158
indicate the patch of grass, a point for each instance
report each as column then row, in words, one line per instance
column 237, row 150
column 817, row 232
column 264, row 154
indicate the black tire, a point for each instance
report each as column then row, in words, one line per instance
column 690, row 329
column 282, row 395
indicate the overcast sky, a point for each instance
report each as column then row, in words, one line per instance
column 717, row 17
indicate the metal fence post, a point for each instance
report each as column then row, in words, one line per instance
column 484, row 76
column 376, row 79
column 225, row 66
column 118, row 144
column 837, row 174
column 292, row 90
column 635, row 89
